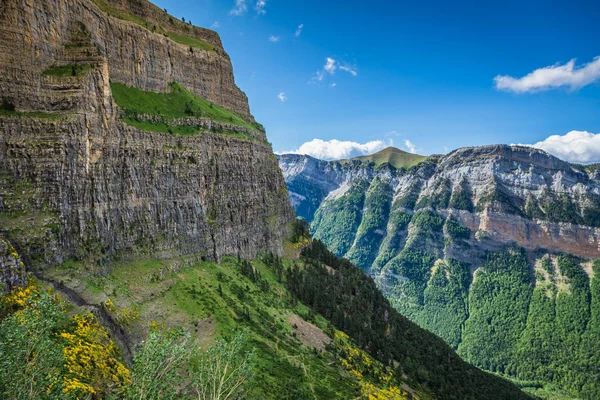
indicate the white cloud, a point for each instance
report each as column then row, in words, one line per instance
column 553, row 76
column 274, row 39
column 336, row 149
column 215, row 25
column 576, row 146
column 299, row 30
column 282, row 97
column 330, row 67
column 240, row 8
column 349, row 69
column 260, row 7
column 333, row 85
column 410, row 146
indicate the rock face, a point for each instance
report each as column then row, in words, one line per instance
column 502, row 194
column 35, row 35
column 77, row 182
column 490, row 248
column 12, row 269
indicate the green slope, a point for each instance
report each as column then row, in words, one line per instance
column 321, row 328
column 393, row 156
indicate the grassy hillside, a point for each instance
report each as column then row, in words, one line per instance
column 393, row 156
column 177, row 103
column 317, row 325
column 300, row 355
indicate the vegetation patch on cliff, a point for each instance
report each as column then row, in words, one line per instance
column 62, row 71
column 191, row 41
column 177, row 103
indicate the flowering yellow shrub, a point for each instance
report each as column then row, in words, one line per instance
column 19, row 297
column 123, row 317
column 302, row 242
column 374, row 379
column 92, row 363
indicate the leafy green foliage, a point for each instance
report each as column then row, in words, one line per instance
column 428, row 221
column 456, row 231
column 337, row 222
column 591, row 211
column 159, row 366
column 395, row 237
column 498, row 303
column 225, row 371
column 445, row 301
column 461, row 198
column 560, row 208
column 373, row 224
column 350, row 300
column 32, row 363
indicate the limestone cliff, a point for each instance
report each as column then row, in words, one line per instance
column 502, row 194
column 77, row 181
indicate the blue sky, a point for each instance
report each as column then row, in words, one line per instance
column 422, row 72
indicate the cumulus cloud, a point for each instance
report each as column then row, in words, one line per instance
column 240, row 8
column 579, row 147
column 551, row 77
column 260, row 7
column 337, row 149
column 282, row 97
column 299, row 30
column 410, row 146
column 215, row 25
column 331, row 66
column 274, row 39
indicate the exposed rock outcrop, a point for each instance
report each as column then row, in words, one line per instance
column 12, row 269
column 503, row 194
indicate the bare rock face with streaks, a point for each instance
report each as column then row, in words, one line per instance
column 502, row 194
column 77, row 182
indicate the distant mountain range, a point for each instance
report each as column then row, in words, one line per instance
column 492, row 248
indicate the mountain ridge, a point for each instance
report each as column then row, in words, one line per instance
column 523, row 219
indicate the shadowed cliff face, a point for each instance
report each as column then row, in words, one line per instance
column 77, row 182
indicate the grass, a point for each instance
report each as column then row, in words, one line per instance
column 216, row 300
column 177, row 130
column 62, row 71
column 177, row 103
column 395, row 157
column 191, row 41
column 104, row 6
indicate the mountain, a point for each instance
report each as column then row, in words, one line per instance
column 492, row 248
column 392, row 156
column 139, row 197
